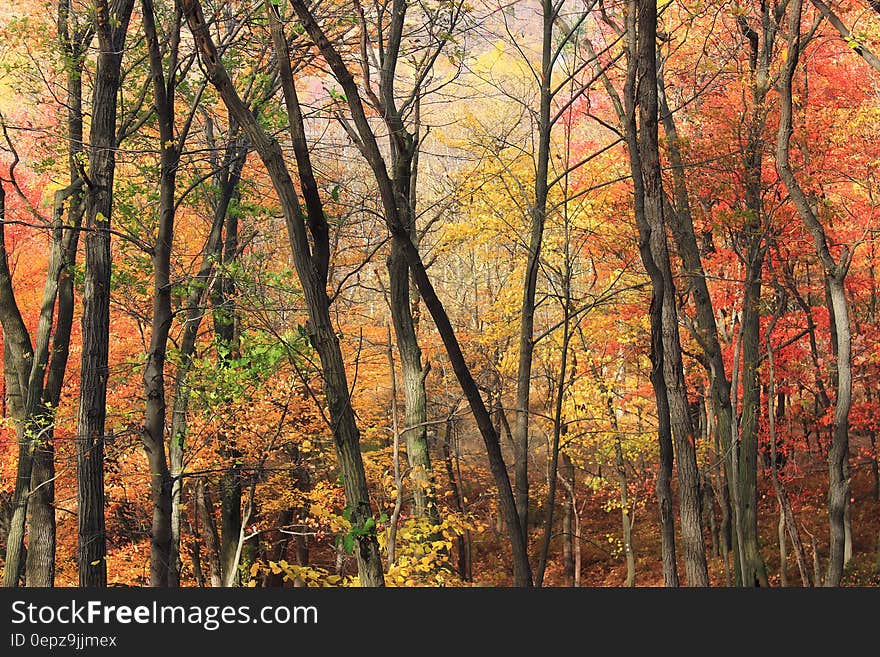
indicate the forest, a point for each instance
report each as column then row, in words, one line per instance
column 440, row 293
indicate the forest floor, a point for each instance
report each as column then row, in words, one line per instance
column 603, row 562
column 811, row 512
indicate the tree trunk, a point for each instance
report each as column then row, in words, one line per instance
column 205, row 512
column 311, row 265
column 838, row 453
column 753, row 570
column 708, row 505
column 537, row 218
column 875, row 470
column 227, row 179
column 91, row 546
column 558, row 424
column 625, row 513
column 226, row 339
column 450, row 454
column 17, row 355
column 673, row 371
column 391, row 545
column 664, row 430
column 682, row 228
column 415, row 430
column 835, row 276
column 404, row 148
column 404, row 164
column 390, row 202
column 783, row 552
column 230, row 521
column 154, row 374
column 786, row 515
column 568, row 538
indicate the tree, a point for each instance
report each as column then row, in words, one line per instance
column 52, row 347
column 835, row 271
column 111, row 27
column 400, row 234
column 403, row 122
column 652, row 229
column 311, row 264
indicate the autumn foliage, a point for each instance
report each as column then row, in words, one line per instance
column 260, row 496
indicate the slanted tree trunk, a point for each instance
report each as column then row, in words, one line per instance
column 835, row 272
column 40, row 568
column 311, row 262
column 399, row 232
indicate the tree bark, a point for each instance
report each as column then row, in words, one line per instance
column 311, row 266
column 537, row 218
column 835, row 272
column 658, row 382
column 230, row 522
column 205, row 511
column 91, row 545
column 399, row 233
column 154, row 373
column 226, row 179
column 673, row 371
column 568, row 538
